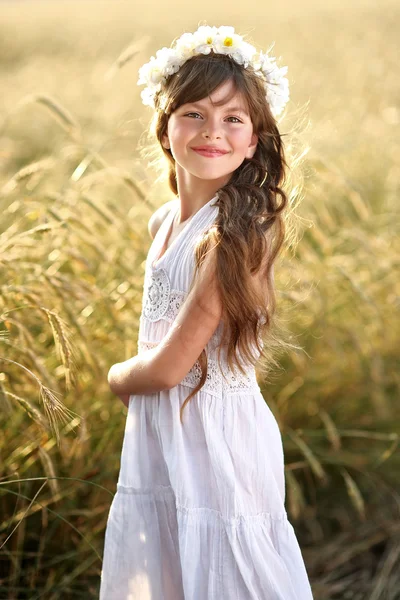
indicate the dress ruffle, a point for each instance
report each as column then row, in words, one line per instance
column 162, row 551
column 198, row 513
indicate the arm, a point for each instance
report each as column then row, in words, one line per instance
column 137, row 375
column 164, row 366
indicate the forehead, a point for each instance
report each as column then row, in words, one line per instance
column 225, row 95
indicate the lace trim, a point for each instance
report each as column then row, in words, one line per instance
column 159, row 300
column 156, row 294
column 217, row 382
column 176, row 299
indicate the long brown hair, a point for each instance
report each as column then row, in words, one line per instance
column 249, row 230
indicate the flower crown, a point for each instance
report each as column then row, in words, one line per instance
column 220, row 40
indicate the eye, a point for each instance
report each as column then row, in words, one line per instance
column 198, row 115
column 192, row 113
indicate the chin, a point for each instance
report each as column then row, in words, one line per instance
column 212, row 174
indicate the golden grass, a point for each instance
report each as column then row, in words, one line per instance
column 76, row 192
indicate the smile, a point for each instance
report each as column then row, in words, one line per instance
column 210, row 153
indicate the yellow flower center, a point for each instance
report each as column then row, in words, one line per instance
column 209, row 41
column 228, row 41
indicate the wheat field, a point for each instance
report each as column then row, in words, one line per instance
column 77, row 187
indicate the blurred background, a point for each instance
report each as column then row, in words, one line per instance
column 76, row 192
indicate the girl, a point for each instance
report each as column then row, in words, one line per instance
column 199, row 510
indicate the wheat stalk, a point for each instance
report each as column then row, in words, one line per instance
column 55, row 410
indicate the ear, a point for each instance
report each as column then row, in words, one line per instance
column 165, row 141
column 252, row 146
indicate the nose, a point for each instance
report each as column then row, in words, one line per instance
column 211, row 131
column 209, row 135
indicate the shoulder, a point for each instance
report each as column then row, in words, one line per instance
column 158, row 217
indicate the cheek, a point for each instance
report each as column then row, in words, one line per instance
column 184, row 134
column 239, row 146
column 179, row 132
column 242, row 138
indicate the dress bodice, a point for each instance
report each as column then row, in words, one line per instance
column 166, row 284
column 168, row 278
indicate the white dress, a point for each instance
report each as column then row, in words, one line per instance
column 199, row 509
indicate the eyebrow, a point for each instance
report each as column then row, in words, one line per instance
column 228, row 109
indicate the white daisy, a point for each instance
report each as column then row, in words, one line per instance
column 221, row 40
column 203, row 39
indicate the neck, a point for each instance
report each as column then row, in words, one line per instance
column 194, row 192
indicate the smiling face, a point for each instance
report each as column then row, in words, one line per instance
column 225, row 130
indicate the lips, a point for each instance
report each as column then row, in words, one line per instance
column 211, row 151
